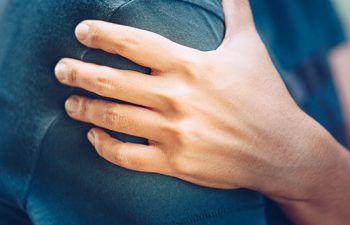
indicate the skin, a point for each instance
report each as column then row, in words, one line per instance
column 230, row 105
column 340, row 58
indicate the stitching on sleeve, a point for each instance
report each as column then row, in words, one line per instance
column 215, row 214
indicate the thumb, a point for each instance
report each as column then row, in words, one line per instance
column 238, row 18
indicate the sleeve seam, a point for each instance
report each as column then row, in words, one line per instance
column 215, row 214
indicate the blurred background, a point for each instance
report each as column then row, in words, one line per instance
column 343, row 7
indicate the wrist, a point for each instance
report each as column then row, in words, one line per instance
column 312, row 157
column 327, row 202
column 317, row 191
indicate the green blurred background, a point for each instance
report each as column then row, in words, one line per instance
column 343, row 7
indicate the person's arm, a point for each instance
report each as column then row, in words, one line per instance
column 219, row 119
column 327, row 201
column 340, row 63
column 331, row 197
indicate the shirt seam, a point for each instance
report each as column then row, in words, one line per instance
column 216, row 214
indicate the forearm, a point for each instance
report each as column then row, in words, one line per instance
column 330, row 204
column 326, row 199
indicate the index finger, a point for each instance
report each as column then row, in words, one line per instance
column 142, row 47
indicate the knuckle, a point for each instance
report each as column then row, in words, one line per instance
column 94, row 35
column 122, row 159
column 119, row 157
column 191, row 64
column 174, row 134
column 72, row 75
column 126, row 41
column 182, row 165
column 171, row 100
column 83, row 108
column 104, row 85
column 177, row 134
column 112, row 118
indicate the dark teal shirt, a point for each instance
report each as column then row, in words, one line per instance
column 49, row 173
column 295, row 30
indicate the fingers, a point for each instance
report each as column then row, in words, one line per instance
column 238, row 18
column 124, row 85
column 128, row 155
column 143, row 47
column 122, row 118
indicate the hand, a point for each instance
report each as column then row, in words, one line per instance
column 219, row 119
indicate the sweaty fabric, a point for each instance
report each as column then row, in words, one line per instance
column 49, row 173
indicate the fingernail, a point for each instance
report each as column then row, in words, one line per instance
column 72, row 105
column 61, row 72
column 82, row 31
column 91, row 136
